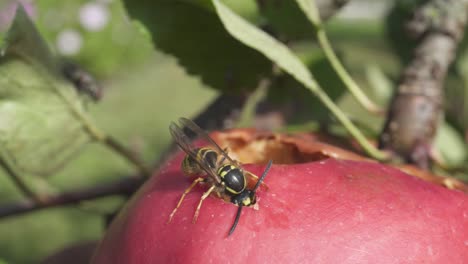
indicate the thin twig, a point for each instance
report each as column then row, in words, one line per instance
column 121, row 187
column 312, row 13
column 350, row 127
column 295, row 67
column 94, row 131
column 22, row 186
column 351, row 85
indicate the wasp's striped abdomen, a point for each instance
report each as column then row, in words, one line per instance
column 208, row 156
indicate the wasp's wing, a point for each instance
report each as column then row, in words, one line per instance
column 189, row 124
column 185, row 144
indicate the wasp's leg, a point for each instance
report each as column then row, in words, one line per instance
column 195, row 182
column 206, row 194
column 251, row 174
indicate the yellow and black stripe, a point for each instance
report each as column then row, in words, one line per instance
column 206, row 155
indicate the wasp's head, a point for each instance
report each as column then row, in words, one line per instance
column 246, row 198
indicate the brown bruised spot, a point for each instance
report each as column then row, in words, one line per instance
column 253, row 147
column 250, row 146
column 447, row 182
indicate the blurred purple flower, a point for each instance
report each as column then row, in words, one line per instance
column 69, row 42
column 94, row 16
column 8, row 10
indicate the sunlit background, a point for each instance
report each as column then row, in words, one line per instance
column 143, row 91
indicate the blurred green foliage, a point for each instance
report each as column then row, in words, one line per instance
column 139, row 84
column 124, row 45
column 199, row 41
column 36, row 137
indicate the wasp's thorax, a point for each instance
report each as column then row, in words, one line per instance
column 236, row 185
column 233, row 179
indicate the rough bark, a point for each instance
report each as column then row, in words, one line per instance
column 417, row 105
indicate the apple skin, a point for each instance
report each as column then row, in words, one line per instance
column 329, row 211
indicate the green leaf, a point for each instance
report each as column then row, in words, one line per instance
column 310, row 10
column 290, row 90
column 287, row 19
column 42, row 118
column 191, row 31
column 24, row 41
column 282, row 56
column 265, row 44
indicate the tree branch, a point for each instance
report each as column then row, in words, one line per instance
column 222, row 111
column 121, row 187
column 416, row 108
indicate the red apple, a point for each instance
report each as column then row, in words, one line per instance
column 324, row 211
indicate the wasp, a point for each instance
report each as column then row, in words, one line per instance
column 225, row 176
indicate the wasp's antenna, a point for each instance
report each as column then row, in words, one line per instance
column 236, row 220
column 263, row 175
